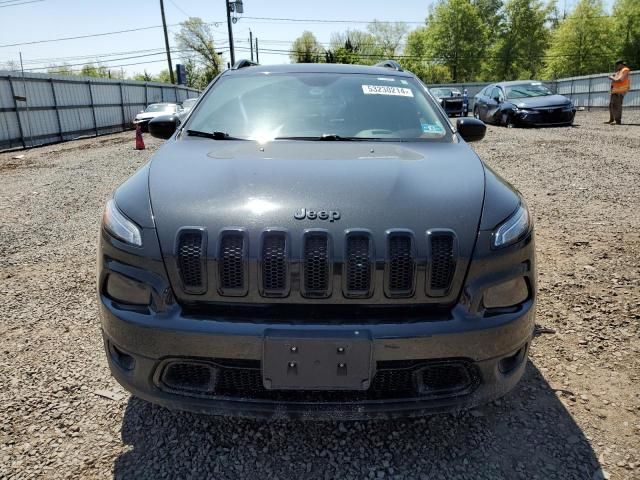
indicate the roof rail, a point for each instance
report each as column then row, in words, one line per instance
column 389, row 64
column 243, row 64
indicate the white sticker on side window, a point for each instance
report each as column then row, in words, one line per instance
column 386, row 90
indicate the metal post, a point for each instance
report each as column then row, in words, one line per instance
column 26, row 100
column 55, row 106
column 231, row 51
column 15, row 102
column 124, row 115
column 257, row 57
column 146, row 95
column 589, row 96
column 93, row 108
column 166, row 42
column 251, row 43
column 175, row 89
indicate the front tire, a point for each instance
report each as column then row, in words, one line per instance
column 507, row 120
column 476, row 114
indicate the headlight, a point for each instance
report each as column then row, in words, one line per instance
column 120, row 226
column 513, row 229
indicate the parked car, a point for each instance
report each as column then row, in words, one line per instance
column 316, row 240
column 519, row 103
column 451, row 100
column 188, row 104
column 152, row 111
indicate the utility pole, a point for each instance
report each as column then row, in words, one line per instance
column 166, row 42
column 251, row 43
column 231, row 52
column 257, row 57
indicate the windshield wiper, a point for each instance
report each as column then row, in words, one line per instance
column 327, row 137
column 212, row 135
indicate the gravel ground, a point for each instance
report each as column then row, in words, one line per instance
column 576, row 414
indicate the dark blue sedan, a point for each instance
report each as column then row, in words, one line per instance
column 523, row 103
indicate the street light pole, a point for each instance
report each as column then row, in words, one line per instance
column 231, row 52
column 166, row 42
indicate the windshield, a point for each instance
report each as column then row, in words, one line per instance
column 160, row 108
column 310, row 106
column 525, row 90
column 445, row 92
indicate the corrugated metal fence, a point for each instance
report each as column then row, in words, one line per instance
column 590, row 91
column 40, row 109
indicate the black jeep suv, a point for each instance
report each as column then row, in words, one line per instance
column 316, row 241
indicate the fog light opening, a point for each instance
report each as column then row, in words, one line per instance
column 512, row 362
column 125, row 361
column 193, row 377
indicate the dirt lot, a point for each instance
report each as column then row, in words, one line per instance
column 576, row 414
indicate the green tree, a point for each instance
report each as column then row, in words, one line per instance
column 143, row 77
column 456, row 37
column 346, row 53
column 627, row 30
column 364, row 43
column 581, row 44
column 416, row 59
column 518, row 52
column 91, row 70
column 306, row 49
column 62, row 69
column 388, row 36
column 195, row 41
column 163, row 76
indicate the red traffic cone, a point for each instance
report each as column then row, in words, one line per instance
column 139, row 140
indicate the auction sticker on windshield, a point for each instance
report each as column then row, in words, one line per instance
column 386, row 90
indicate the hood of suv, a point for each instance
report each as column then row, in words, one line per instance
column 298, row 186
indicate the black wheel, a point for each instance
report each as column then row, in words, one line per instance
column 476, row 114
column 507, row 121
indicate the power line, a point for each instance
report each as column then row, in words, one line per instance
column 321, row 20
column 21, row 3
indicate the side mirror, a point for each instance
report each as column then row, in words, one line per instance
column 470, row 129
column 163, row 126
column 497, row 99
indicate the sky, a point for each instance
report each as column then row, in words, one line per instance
column 53, row 19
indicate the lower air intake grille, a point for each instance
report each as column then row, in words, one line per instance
column 401, row 266
column 242, row 379
column 191, row 261
column 358, row 266
column 316, row 266
column 443, row 263
column 232, row 277
column 274, row 265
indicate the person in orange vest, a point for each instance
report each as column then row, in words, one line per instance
column 620, row 84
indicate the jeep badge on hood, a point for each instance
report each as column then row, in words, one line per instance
column 331, row 215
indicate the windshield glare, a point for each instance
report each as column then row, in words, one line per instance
column 307, row 106
column 160, row 108
column 528, row 90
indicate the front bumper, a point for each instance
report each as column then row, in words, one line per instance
column 139, row 346
column 535, row 118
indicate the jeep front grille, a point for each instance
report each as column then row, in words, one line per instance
column 400, row 265
column 358, row 268
column 232, row 264
column 289, row 267
column 191, row 261
column 274, row 267
column 442, row 263
column 316, row 265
